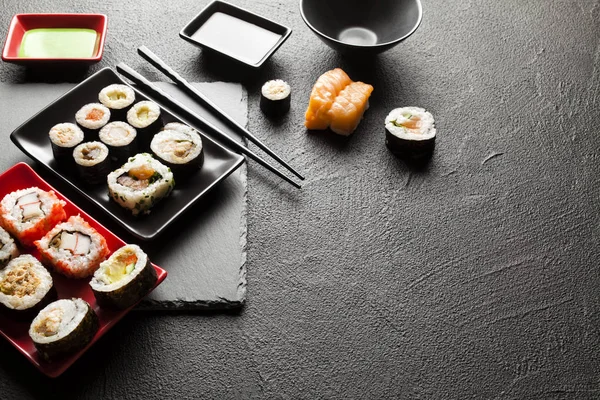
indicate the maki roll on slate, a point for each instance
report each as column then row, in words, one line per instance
column 144, row 116
column 25, row 286
column 63, row 138
column 73, row 248
column 92, row 162
column 124, row 278
column 8, row 248
column 275, row 97
column 179, row 147
column 91, row 118
column 63, row 327
column 119, row 137
column 29, row 214
column 410, row 132
column 140, row 183
column 118, row 98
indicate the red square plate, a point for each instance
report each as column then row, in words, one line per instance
column 21, row 23
column 21, row 176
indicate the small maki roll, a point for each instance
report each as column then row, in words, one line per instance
column 25, row 286
column 29, row 214
column 275, row 97
column 124, row 278
column 119, row 137
column 118, row 98
column 179, row 147
column 63, row 138
column 8, row 248
column 410, row 132
column 144, row 116
column 91, row 118
column 73, row 248
column 140, row 183
column 93, row 164
column 63, row 327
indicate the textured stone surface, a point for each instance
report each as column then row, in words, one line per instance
column 471, row 279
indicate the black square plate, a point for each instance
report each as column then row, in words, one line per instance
column 32, row 138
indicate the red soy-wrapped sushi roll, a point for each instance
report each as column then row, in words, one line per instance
column 73, row 248
column 29, row 214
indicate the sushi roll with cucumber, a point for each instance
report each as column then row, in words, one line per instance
column 8, row 248
column 63, row 139
column 124, row 278
column 73, row 248
column 179, row 147
column 140, row 183
column 63, row 327
column 29, row 214
column 410, row 132
column 25, row 286
column 92, row 161
column 91, row 118
column 120, row 138
column 145, row 117
column 118, row 98
column 275, row 97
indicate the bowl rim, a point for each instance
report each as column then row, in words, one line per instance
column 363, row 46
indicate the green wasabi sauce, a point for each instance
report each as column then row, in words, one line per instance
column 58, row 43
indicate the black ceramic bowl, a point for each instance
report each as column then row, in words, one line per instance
column 360, row 27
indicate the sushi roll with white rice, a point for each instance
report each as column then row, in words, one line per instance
column 140, row 183
column 144, row 116
column 179, row 147
column 124, row 278
column 275, row 97
column 410, row 132
column 92, row 161
column 73, row 248
column 63, row 327
column 25, row 286
column 29, row 214
column 8, row 248
column 91, row 118
column 119, row 137
column 63, row 139
column 118, row 98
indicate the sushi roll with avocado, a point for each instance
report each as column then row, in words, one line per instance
column 410, row 132
column 63, row 139
column 25, row 286
column 275, row 97
column 118, row 98
column 120, row 138
column 140, row 183
column 73, row 248
column 92, row 161
column 124, row 278
column 91, row 118
column 179, row 147
column 145, row 117
column 8, row 248
column 63, row 327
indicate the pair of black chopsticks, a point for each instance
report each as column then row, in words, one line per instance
column 156, row 92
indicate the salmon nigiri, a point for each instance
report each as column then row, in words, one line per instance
column 337, row 102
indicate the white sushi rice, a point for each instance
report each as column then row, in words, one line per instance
column 143, row 114
column 117, row 96
column 57, row 320
column 83, row 116
column 8, row 248
column 276, row 89
column 117, row 134
column 13, row 213
column 101, row 281
column 426, row 130
column 28, row 281
column 167, row 144
column 84, row 154
column 66, row 135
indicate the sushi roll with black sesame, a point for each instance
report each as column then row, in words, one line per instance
column 275, row 97
column 410, row 132
column 140, row 183
column 63, row 327
column 124, row 278
column 91, row 118
column 8, row 248
column 93, row 164
column 63, row 139
column 145, row 117
column 120, row 138
column 118, row 98
column 179, row 147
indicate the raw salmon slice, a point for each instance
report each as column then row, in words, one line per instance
column 323, row 94
column 347, row 110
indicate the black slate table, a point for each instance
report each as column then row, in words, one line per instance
column 476, row 277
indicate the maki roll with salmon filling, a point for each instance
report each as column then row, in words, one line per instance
column 63, row 138
column 73, row 248
column 410, row 132
column 179, row 147
column 25, row 286
column 8, row 248
column 29, row 214
column 123, row 279
column 140, row 183
column 63, row 327
column 92, row 162
column 145, row 118
column 119, row 137
column 91, row 118
column 118, row 98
